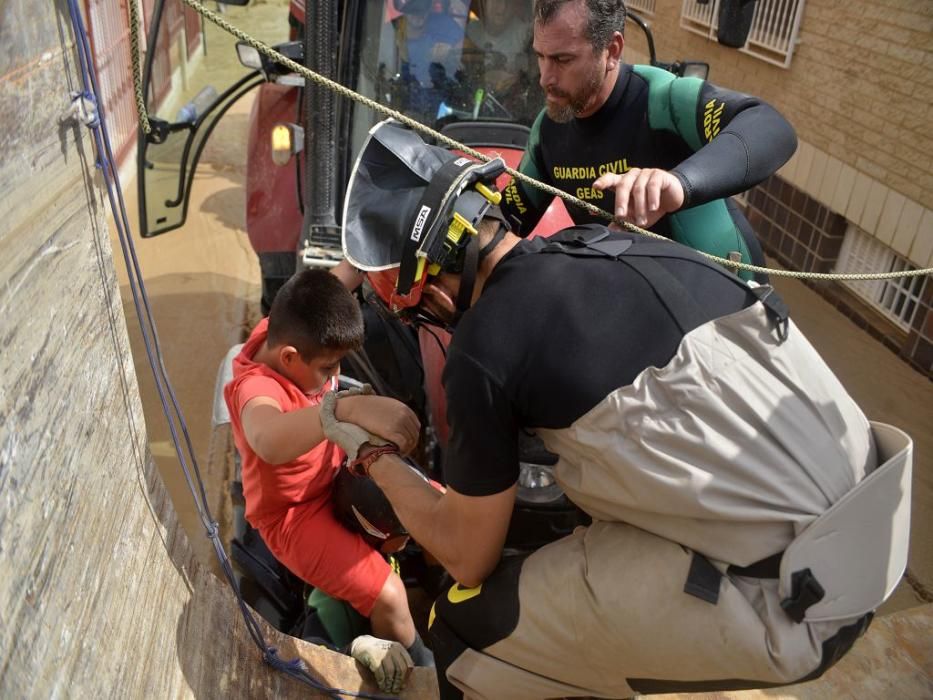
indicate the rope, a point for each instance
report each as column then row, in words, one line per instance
column 452, row 143
column 137, row 74
column 436, row 135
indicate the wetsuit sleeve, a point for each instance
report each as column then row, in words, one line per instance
column 522, row 202
column 741, row 140
column 482, row 448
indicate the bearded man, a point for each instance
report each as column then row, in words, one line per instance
column 658, row 151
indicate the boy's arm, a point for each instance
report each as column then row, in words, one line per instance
column 277, row 436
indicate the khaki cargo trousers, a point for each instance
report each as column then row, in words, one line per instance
column 603, row 613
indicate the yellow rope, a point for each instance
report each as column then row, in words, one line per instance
column 137, row 76
column 436, row 135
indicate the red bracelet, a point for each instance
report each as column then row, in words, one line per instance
column 361, row 465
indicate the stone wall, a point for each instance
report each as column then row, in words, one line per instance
column 100, row 594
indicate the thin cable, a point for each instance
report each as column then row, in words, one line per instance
column 105, row 162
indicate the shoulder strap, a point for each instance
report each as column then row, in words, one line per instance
column 671, row 292
column 598, row 241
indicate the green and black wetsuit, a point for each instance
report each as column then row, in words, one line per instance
column 715, row 141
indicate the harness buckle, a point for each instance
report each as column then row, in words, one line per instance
column 806, row 591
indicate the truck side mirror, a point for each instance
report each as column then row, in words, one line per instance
column 735, row 22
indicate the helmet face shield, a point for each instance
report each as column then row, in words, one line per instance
column 412, row 208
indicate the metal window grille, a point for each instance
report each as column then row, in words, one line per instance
column 898, row 299
column 110, row 39
column 773, row 36
column 645, row 7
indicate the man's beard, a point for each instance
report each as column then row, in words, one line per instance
column 578, row 101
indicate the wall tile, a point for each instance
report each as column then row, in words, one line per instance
column 803, row 166
column 921, row 251
column 780, row 217
column 907, row 227
column 830, row 181
column 789, row 171
column 817, row 170
column 844, row 185
column 858, row 198
column 877, row 193
column 890, row 214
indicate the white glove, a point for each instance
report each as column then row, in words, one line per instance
column 388, row 661
column 349, row 436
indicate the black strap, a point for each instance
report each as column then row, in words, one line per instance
column 671, row 292
column 776, row 308
column 598, row 241
column 467, row 277
column 703, row 579
column 611, row 247
column 769, row 567
column 494, row 241
column 805, row 591
column 428, row 209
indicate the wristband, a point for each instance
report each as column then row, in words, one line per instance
column 361, row 465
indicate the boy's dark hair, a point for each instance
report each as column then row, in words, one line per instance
column 606, row 18
column 313, row 311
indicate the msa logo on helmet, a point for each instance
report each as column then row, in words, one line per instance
column 460, row 162
column 419, row 223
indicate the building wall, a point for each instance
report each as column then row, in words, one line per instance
column 100, row 593
column 859, row 92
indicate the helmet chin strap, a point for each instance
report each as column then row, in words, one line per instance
column 471, row 262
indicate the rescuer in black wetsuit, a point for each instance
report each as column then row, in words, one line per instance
column 657, row 151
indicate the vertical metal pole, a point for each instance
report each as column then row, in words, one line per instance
column 320, row 167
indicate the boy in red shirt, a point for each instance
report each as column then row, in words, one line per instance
column 291, row 359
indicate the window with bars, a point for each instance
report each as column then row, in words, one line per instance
column 773, row 36
column 898, row 299
column 643, row 7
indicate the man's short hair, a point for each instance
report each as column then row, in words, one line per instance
column 606, row 18
column 314, row 312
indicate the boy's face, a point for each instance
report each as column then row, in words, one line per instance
column 311, row 376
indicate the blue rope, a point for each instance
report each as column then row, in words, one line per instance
column 296, row 667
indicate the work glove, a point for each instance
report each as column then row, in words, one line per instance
column 388, row 661
column 349, row 436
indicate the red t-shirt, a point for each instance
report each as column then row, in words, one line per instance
column 271, row 489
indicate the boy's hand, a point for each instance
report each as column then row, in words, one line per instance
column 384, row 417
column 388, row 661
